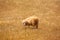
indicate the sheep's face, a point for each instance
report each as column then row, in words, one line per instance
column 25, row 23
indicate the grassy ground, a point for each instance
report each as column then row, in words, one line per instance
column 12, row 12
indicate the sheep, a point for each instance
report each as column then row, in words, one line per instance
column 31, row 21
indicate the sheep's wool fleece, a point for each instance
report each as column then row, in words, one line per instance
column 31, row 19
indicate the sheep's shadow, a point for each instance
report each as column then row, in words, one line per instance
column 31, row 28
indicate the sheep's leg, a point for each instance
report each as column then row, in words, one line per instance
column 36, row 26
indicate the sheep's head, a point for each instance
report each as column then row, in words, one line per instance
column 25, row 23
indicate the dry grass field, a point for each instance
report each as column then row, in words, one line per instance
column 12, row 12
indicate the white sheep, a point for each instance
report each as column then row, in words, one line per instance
column 31, row 21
